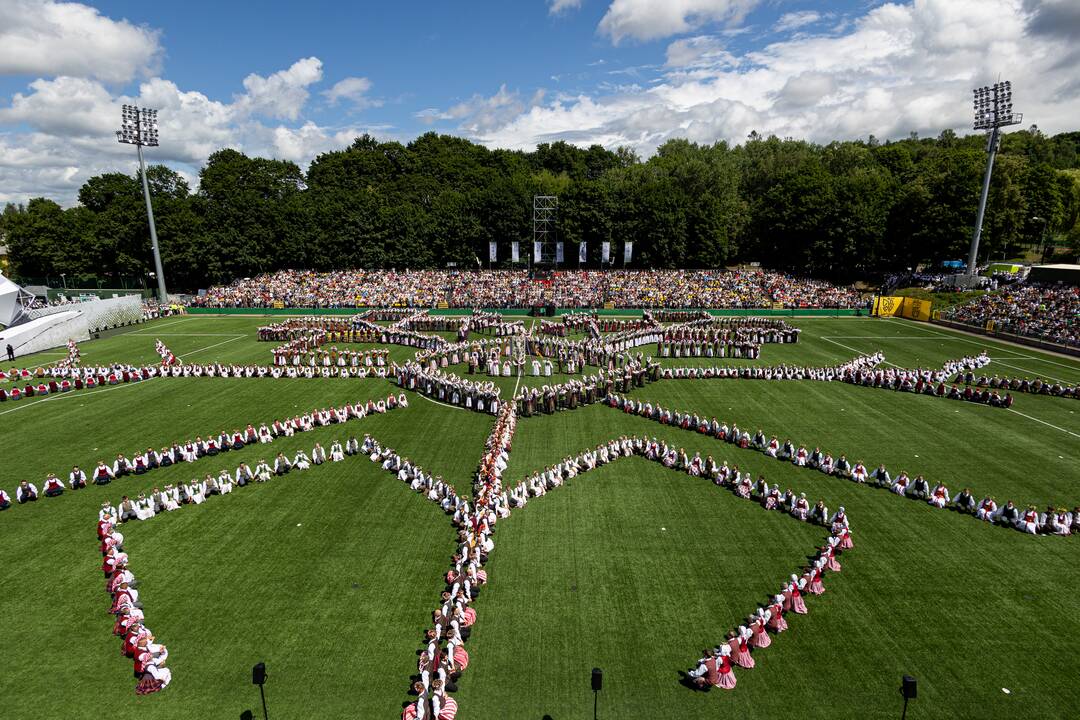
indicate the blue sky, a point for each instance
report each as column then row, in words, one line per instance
column 292, row 80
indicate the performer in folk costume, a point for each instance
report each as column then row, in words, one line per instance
column 714, row 669
column 53, row 486
column 940, row 496
column 76, row 478
column 739, row 643
column 987, row 509
column 793, row 594
column 965, row 502
column 1029, row 521
column 26, row 492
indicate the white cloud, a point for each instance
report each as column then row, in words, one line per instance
column 795, row 20
column 480, row 115
column 653, row 19
column 352, row 90
column 46, row 38
column 556, row 7
column 698, row 51
column 897, row 68
column 72, row 124
column 283, row 94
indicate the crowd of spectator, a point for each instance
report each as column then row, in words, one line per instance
column 501, row 289
column 1048, row 312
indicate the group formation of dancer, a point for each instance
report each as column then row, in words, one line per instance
column 196, row 491
column 775, row 372
column 715, row 667
column 862, row 371
column 166, row 355
column 931, row 382
column 143, row 461
column 576, row 393
column 74, row 356
column 335, row 329
column 1054, row 521
column 443, row 656
column 287, row 354
column 138, row 643
column 724, row 337
column 1038, row 386
column 448, row 388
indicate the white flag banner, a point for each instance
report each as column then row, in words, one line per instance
column 581, row 253
column 536, row 251
column 558, row 252
column 628, row 252
column 492, row 250
column 514, row 251
column 605, row 248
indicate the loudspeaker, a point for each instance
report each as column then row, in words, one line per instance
column 597, row 679
column 909, row 688
column 258, row 674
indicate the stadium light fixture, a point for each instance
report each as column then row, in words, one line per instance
column 138, row 127
column 993, row 109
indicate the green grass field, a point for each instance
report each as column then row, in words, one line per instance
column 330, row 576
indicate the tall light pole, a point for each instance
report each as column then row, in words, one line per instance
column 993, row 111
column 1042, row 235
column 138, row 127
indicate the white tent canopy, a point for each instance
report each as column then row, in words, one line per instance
column 14, row 302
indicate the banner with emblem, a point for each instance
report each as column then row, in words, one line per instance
column 888, row 305
column 536, row 251
column 492, row 250
column 581, row 252
column 558, row 252
column 605, row 248
column 628, row 252
column 916, row 309
column 514, row 251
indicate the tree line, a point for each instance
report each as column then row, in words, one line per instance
column 841, row 210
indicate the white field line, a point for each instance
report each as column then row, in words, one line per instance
column 234, row 339
column 848, row 347
column 173, row 322
column 876, row 337
column 454, row 407
column 956, row 336
column 1023, row 370
column 953, row 336
column 188, row 334
column 65, row 396
column 1070, row 432
column 1017, row 357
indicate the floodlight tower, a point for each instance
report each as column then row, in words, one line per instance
column 993, row 111
column 138, row 127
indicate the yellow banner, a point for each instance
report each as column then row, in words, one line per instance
column 278, row 304
column 892, row 306
column 917, row 309
column 888, row 306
